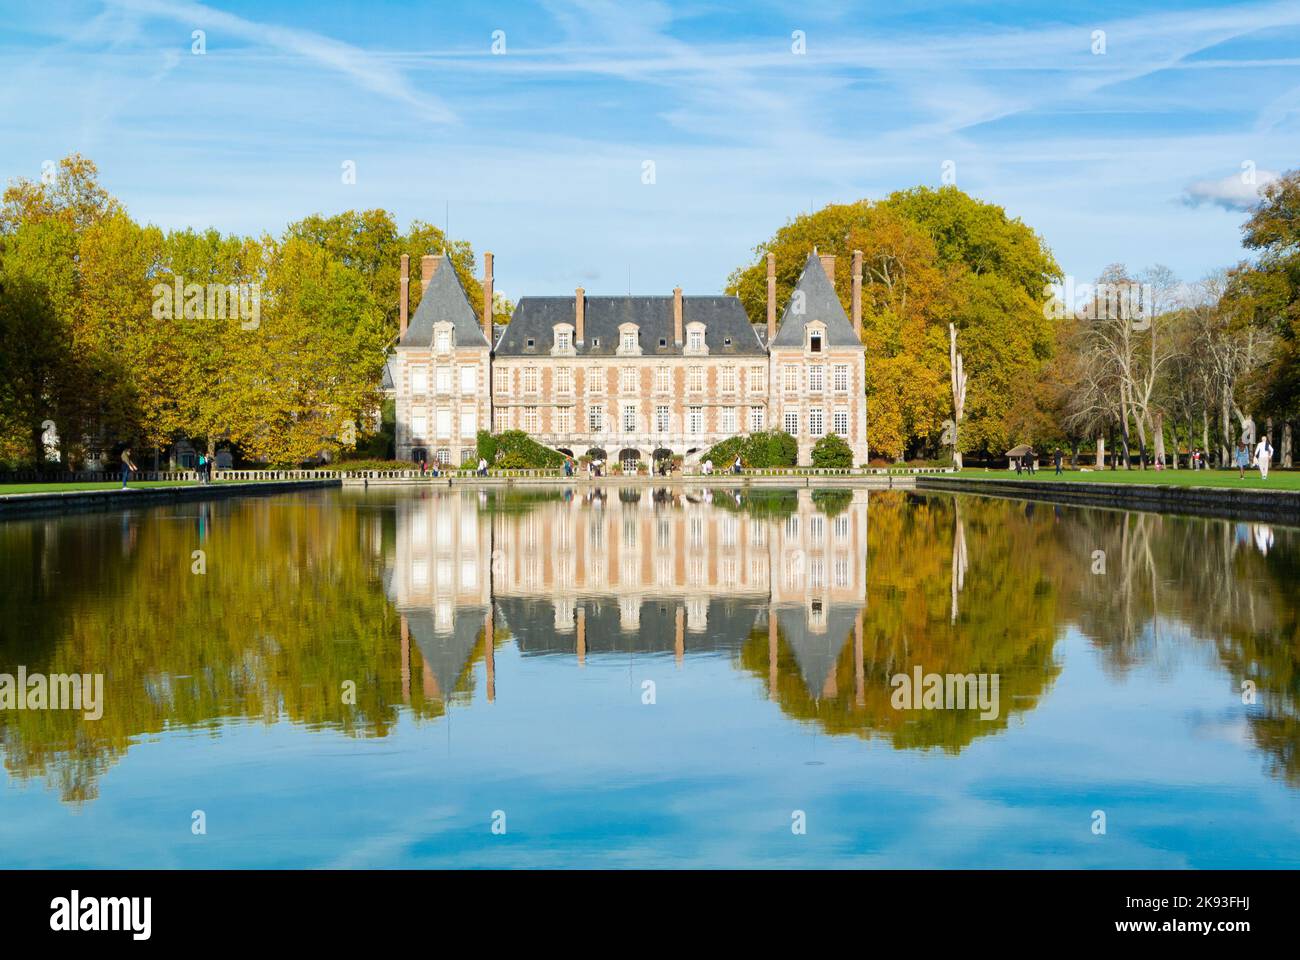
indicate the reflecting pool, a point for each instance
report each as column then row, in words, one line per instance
column 651, row 677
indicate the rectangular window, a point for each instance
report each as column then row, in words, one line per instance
column 629, row 341
column 841, row 382
column 695, row 420
column 562, row 339
column 502, row 381
column 791, row 422
column 596, row 419
column 661, row 419
column 841, row 422
column 790, row 378
column 662, row 380
column 443, row 383
column 444, row 422
column 728, row 420
column 419, row 426
column 442, row 341
column 443, row 455
column 564, row 421
column 629, row 418
column 694, row 379
column 627, row 380
column 815, row 343
column 758, row 379
column 816, row 427
column 695, row 340
column 727, row 379
column 419, row 380
column 501, row 419
column 815, row 378
column 468, row 422
column 564, row 380
column 530, row 420
column 756, row 419
column 596, row 380
column 468, row 380
column 530, row 379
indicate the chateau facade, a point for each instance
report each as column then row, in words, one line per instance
column 626, row 379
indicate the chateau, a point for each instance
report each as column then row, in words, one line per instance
column 626, row 379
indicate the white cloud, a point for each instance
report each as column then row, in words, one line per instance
column 1234, row 192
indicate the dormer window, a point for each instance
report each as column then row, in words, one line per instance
column 531, row 343
column 442, row 341
column 562, row 334
column 815, row 343
column 695, row 343
column 629, row 340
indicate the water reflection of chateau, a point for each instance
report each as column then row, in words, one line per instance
column 636, row 570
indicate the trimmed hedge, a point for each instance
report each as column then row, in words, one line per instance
column 773, row 448
column 832, row 452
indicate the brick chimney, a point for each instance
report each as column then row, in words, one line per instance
column 405, row 287
column 677, row 316
column 828, row 264
column 579, row 315
column 487, row 297
column 857, row 291
column 771, row 297
column 428, row 267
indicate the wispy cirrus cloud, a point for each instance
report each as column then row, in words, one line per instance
column 368, row 71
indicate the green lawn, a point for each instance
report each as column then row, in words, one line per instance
column 1277, row 479
column 7, row 488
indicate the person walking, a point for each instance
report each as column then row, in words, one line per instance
column 1057, row 457
column 202, row 471
column 1243, row 459
column 482, row 467
column 128, row 466
column 1263, row 456
column 736, row 466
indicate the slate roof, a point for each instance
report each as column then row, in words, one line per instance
column 386, row 381
column 820, row 302
column 532, row 625
column 816, row 653
column 727, row 330
column 444, row 300
column 446, row 652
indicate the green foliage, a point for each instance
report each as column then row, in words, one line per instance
column 832, row 452
column 930, row 258
column 773, row 448
column 487, row 447
column 515, row 450
column 94, row 337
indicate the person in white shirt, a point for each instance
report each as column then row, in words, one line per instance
column 1263, row 455
column 708, row 467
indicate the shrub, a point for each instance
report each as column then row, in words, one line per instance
column 487, row 446
column 515, row 450
column 773, row 448
column 832, row 452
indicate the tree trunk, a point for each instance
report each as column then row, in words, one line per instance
column 1285, row 445
column 1101, row 451
column 1205, row 431
column 1158, row 439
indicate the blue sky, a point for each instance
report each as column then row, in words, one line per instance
column 1134, row 154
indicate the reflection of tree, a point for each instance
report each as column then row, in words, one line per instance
column 288, row 610
column 1208, row 578
column 1007, row 624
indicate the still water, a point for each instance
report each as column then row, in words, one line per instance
column 638, row 678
